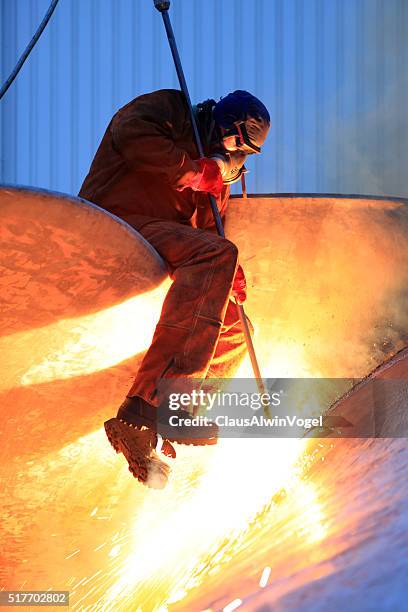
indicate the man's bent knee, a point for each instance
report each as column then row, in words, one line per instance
column 228, row 249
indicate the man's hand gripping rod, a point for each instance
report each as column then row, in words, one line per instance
column 163, row 7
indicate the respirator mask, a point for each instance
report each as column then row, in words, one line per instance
column 231, row 164
column 239, row 141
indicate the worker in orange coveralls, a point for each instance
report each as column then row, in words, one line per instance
column 147, row 172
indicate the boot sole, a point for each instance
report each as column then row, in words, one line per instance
column 144, row 464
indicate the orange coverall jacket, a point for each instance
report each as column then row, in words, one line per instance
column 144, row 161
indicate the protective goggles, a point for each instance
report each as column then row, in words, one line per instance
column 242, row 140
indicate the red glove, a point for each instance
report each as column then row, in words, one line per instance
column 208, row 178
column 239, row 286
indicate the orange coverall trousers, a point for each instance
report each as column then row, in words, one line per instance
column 199, row 333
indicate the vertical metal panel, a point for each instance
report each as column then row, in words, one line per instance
column 332, row 73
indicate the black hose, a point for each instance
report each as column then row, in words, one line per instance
column 29, row 48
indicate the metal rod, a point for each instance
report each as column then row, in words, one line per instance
column 183, row 85
column 243, row 186
column 163, row 8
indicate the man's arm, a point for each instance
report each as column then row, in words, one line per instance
column 145, row 133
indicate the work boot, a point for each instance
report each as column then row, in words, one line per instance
column 139, row 413
column 134, row 433
column 138, row 448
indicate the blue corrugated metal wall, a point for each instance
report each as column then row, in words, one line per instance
column 332, row 72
